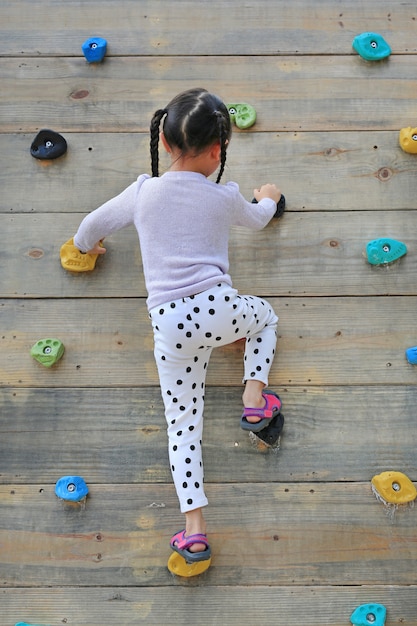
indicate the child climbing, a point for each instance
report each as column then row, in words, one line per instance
column 183, row 221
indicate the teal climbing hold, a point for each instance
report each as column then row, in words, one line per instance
column 71, row 488
column 369, row 615
column 385, row 250
column 371, row 46
column 26, row 624
column 47, row 351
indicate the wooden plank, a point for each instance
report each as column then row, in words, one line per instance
column 318, row 254
column 115, row 435
column 289, row 93
column 322, row 341
column 295, row 533
column 354, row 171
column 231, row 606
column 155, row 27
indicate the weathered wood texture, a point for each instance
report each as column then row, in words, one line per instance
column 317, row 171
column 322, row 341
column 229, row 606
column 332, row 434
column 301, row 254
column 296, row 533
column 327, row 93
column 186, row 27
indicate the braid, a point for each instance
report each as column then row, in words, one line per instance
column 223, row 134
column 154, row 131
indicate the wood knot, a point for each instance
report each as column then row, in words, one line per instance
column 36, row 253
column 333, row 243
column 80, row 94
column 330, row 152
column 384, row 173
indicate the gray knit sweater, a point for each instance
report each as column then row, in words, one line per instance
column 183, row 221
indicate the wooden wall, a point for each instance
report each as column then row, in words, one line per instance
column 297, row 536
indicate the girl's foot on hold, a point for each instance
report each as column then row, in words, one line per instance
column 187, row 547
column 255, row 418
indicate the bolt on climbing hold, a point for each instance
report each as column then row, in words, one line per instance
column 385, row 250
column 71, row 489
column 94, row 49
column 280, row 206
column 393, row 488
column 408, row 139
column 73, row 260
column 47, row 351
column 47, row 145
column 371, row 46
column 369, row 615
column 242, row 114
column 411, row 354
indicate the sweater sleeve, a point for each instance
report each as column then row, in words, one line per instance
column 251, row 215
column 110, row 217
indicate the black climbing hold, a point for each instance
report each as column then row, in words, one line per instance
column 280, row 206
column 271, row 433
column 48, row 144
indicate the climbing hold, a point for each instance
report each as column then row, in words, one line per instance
column 47, row 351
column 48, row 144
column 385, row 250
column 178, row 565
column 94, row 49
column 243, row 115
column 369, row 615
column 26, row 624
column 408, row 139
column 371, row 46
column 71, row 488
column 73, row 260
column 411, row 354
column 393, row 488
column 280, row 206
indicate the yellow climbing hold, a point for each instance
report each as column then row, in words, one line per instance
column 177, row 565
column 393, row 488
column 74, row 260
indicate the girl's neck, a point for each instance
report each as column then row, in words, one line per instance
column 204, row 163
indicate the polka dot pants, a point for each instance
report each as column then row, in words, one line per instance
column 185, row 333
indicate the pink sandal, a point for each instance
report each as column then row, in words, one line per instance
column 272, row 408
column 180, row 543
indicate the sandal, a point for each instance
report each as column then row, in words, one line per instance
column 180, row 543
column 272, row 408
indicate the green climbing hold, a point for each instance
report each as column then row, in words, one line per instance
column 47, row 351
column 243, row 115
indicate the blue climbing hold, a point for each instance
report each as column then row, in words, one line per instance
column 94, row 49
column 71, row 488
column 411, row 354
column 371, row 46
column 385, row 250
column 369, row 615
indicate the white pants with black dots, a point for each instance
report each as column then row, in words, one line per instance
column 185, row 332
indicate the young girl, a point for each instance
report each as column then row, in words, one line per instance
column 183, row 221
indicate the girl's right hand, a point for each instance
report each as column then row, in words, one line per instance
column 98, row 248
column 267, row 191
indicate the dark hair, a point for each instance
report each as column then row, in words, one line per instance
column 194, row 120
